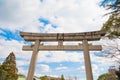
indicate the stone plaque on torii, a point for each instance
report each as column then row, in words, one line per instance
column 60, row 38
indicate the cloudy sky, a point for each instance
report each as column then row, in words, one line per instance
column 51, row 16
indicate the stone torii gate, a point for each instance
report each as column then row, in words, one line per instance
column 60, row 38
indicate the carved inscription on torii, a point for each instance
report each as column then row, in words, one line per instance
column 60, row 38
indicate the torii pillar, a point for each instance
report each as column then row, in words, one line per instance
column 87, row 60
column 60, row 37
column 33, row 61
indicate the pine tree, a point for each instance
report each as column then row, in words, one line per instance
column 2, row 73
column 62, row 77
column 8, row 68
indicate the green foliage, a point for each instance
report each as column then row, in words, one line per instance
column 107, row 76
column 21, row 75
column 3, row 74
column 51, row 78
column 21, row 78
column 43, row 78
column 112, row 26
column 8, row 68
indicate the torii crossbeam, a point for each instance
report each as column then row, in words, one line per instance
column 60, row 38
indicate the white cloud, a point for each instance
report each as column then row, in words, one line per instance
column 43, row 68
column 22, row 71
column 22, row 63
column 8, row 46
column 95, row 70
column 95, row 67
column 82, row 68
column 60, row 56
column 17, row 15
column 2, row 32
column 101, row 60
column 61, row 68
column 75, row 16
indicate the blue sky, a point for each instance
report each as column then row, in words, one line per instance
column 51, row 16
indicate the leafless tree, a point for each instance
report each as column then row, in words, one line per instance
column 111, row 49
